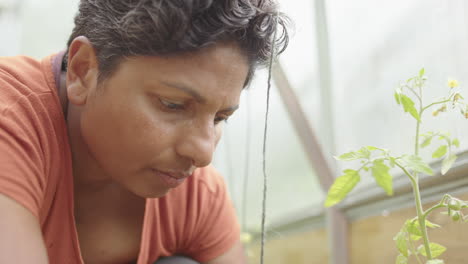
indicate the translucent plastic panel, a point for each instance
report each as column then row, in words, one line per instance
column 300, row 58
column 376, row 44
column 10, row 28
column 45, row 25
column 292, row 185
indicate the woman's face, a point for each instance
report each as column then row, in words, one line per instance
column 156, row 119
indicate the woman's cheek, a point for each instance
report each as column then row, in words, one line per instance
column 219, row 133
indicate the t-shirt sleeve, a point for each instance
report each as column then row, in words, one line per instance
column 217, row 229
column 21, row 172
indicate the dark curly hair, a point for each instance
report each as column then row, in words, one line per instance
column 123, row 28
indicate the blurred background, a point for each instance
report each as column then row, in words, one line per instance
column 332, row 93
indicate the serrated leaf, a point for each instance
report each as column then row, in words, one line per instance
column 341, row 187
column 426, row 142
column 401, row 243
column 448, row 162
column 435, row 261
column 421, row 72
column 417, row 164
column 354, row 155
column 414, row 228
column 456, row 142
column 348, row 156
column 401, row 260
column 364, row 152
column 436, row 250
column 440, row 152
column 382, row 177
column 408, row 106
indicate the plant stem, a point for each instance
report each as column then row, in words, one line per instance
column 435, row 103
column 421, row 218
column 416, row 192
column 439, row 205
column 415, row 94
column 405, row 171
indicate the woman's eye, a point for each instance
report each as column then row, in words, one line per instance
column 170, row 105
column 220, row 119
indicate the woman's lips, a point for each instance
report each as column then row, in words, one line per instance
column 168, row 179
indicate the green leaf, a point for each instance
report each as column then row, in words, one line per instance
column 464, row 204
column 436, row 250
column 401, row 259
column 401, row 243
column 440, row 152
column 414, row 228
column 444, row 135
column 448, row 162
column 417, row 164
column 372, row 148
column 348, row 156
column 431, row 225
column 435, row 261
column 341, row 187
column 391, row 161
column 363, row 153
column 382, row 177
column 456, row 142
column 397, row 97
column 421, row 72
column 408, row 106
column 426, row 142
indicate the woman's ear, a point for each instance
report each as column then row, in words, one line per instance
column 82, row 71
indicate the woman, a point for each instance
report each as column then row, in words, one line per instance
column 105, row 149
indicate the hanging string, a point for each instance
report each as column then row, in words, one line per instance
column 265, row 178
column 246, row 164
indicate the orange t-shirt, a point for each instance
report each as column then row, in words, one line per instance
column 196, row 219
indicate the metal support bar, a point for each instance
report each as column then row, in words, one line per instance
column 336, row 219
column 337, row 222
column 301, row 124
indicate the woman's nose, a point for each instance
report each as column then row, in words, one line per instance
column 198, row 144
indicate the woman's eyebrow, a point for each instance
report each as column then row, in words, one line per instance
column 189, row 90
column 230, row 109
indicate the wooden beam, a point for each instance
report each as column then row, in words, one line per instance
column 336, row 219
column 306, row 134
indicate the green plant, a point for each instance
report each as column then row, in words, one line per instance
column 412, row 238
